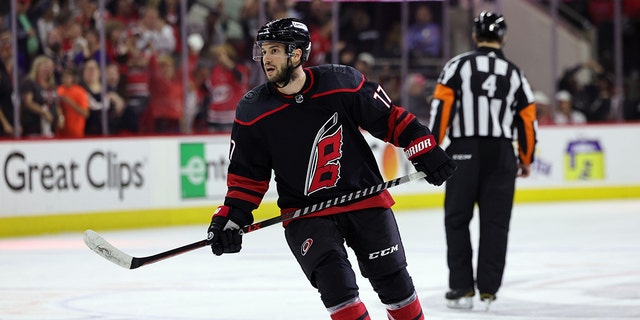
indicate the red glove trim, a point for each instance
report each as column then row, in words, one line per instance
column 420, row 146
column 222, row 211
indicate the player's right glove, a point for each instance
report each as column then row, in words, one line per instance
column 428, row 157
column 224, row 231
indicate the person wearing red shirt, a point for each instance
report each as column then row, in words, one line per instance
column 166, row 105
column 229, row 82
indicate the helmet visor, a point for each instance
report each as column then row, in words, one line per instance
column 259, row 51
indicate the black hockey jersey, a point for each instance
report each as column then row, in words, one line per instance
column 312, row 141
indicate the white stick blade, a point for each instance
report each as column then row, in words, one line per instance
column 99, row 245
column 417, row 175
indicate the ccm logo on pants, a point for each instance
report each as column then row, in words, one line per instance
column 384, row 252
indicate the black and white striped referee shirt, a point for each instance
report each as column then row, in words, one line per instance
column 481, row 94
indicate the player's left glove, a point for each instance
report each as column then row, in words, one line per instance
column 428, row 157
column 224, row 231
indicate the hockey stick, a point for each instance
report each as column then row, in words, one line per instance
column 103, row 248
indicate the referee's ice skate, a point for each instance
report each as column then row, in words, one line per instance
column 460, row 298
column 487, row 299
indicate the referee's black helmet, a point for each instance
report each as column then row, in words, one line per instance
column 489, row 26
column 289, row 31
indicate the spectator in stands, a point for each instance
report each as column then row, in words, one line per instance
column 277, row 9
column 214, row 32
column 46, row 23
column 566, row 114
column 580, row 81
column 155, row 34
column 249, row 22
column 135, row 64
column 74, row 103
column 92, row 83
column 74, row 43
column 229, row 82
column 169, row 11
column 631, row 105
column 424, row 36
column 29, row 46
column 389, row 78
column 6, row 84
column 53, row 49
column 166, row 103
column 321, row 43
column 125, row 12
column 89, row 14
column 358, row 30
column 347, row 55
column 198, row 75
column 195, row 44
column 90, row 49
column 40, row 114
column 113, row 80
column 600, row 100
column 393, row 37
column 201, row 86
column 118, row 42
column 544, row 112
column 417, row 101
column 317, row 14
column 365, row 63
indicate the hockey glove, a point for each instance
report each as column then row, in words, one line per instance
column 224, row 231
column 428, row 157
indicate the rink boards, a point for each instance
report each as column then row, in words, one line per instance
column 53, row 186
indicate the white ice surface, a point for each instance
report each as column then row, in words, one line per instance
column 577, row 260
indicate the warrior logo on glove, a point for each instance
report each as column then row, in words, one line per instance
column 426, row 156
column 421, row 146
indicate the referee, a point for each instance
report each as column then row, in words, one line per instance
column 482, row 102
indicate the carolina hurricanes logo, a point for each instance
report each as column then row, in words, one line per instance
column 323, row 171
column 304, row 248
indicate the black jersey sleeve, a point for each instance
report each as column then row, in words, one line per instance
column 249, row 170
column 375, row 112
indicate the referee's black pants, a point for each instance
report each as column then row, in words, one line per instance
column 486, row 176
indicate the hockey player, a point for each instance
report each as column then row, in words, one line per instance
column 304, row 125
column 481, row 99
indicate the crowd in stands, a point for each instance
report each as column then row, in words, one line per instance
column 61, row 59
column 585, row 95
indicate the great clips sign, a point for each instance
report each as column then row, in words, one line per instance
column 81, row 176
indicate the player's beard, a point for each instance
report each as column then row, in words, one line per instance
column 281, row 76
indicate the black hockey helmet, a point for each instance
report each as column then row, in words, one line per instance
column 289, row 31
column 489, row 26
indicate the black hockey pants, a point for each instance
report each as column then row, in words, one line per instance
column 318, row 245
column 486, row 176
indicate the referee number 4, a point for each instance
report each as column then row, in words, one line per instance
column 490, row 85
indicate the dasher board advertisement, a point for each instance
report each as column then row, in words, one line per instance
column 45, row 177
